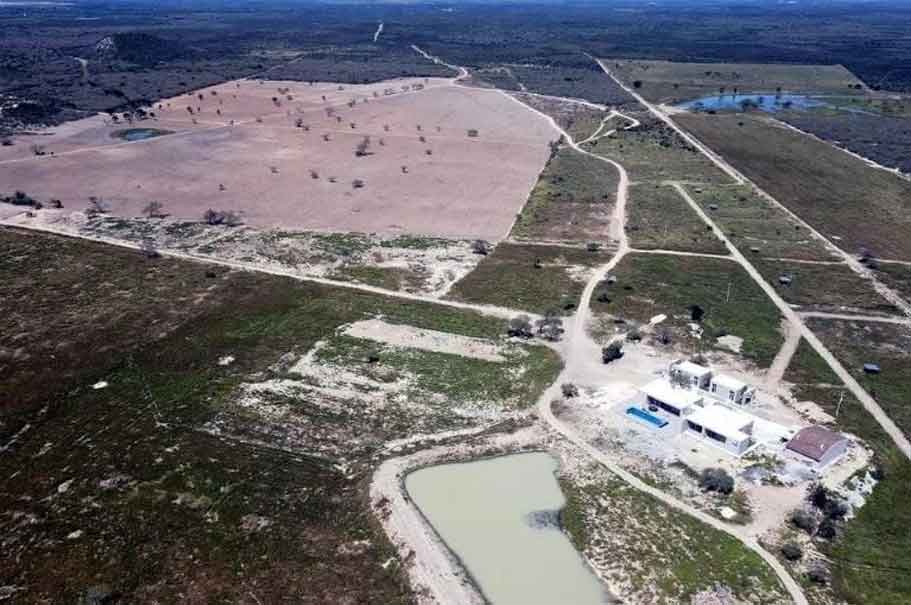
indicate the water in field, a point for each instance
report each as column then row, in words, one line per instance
column 500, row 517
column 770, row 102
column 140, row 134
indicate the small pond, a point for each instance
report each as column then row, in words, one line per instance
column 139, row 134
column 500, row 517
column 770, row 102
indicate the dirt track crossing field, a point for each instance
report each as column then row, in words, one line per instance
column 265, row 155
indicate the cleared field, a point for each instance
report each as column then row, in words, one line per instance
column 579, row 120
column 648, row 285
column 573, row 200
column 171, row 482
column 668, row 82
column 659, row 218
column 841, row 196
column 534, row 278
column 589, row 84
column 753, row 224
column 420, row 173
column 655, row 152
column 864, row 556
column 834, row 288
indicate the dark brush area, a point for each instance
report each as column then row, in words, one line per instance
column 143, row 51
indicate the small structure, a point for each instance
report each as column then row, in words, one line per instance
column 818, row 446
column 731, row 390
column 727, row 429
column 872, row 368
column 676, row 401
column 696, row 375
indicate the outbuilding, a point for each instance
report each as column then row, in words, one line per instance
column 818, row 445
column 730, row 389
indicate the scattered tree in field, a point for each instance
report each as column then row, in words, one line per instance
column 404, row 169
column 7, row 142
column 314, row 174
column 382, row 142
column 611, row 352
column 386, row 127
column 804, row 519
column 473, row 133
column 363, row 148
column 190, row 109
column 357, row 184
column 818, row 574
column 19, row 198
column 480, row 246
column 153, row 209
column 299, row 123
column 716, row 480
column 221, row 217
column 569, row 390
column 332, row 179
column 428, row 152
column 55, row 203
column 550, row 327
column 419, row 127
column 273, row 169
column 520, row 327
column 221, row 187
column 326, row 137
column 422, row 139
column 352, row 125
column 38, row 150
column 98, row 205
column 259, row 119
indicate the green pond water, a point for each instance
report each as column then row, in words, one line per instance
column 499, row 516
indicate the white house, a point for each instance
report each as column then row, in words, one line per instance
column 818, row 446
column 676, row 401
column 731, row 390
column 697, row 375
column 722, row 427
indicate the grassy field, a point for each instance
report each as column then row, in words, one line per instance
column 658, row 554
column 896, row 276
column 752, row 222
column 125, row 488
column 572, row 200
column 836, row 193
column 669, row 82
column 834, row 288
column 659, row 218
column 868, row 559
column 654, row 152
column 529, row 277
column 857, row 343
column 648, row 285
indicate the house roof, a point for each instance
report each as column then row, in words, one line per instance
column 724, row 421
column 693, row 369
column 679, row 397
column 732, row 384
column 814, row 441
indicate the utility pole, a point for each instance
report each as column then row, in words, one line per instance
column 727, row 298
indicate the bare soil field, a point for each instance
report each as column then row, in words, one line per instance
column 421, row 172
column 668, row 81
column 840, row 195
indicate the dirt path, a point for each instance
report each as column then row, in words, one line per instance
column 902, row 321
column 681, row 253
column 489, row 310
column 84, row 65
column 783, row 357
column 901, row 441
column 882, row 289
column 379, row 30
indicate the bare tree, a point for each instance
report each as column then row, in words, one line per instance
column 363, row 148
column 314, row 174
column 153, row 209
column 98, row 205
column 358, row 184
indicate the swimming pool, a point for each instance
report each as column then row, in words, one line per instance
column 647, row 416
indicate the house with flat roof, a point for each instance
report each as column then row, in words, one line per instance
column 722, row 427
column 731, row 390
column 818, row 446
column 696, row 375
column 675, row 400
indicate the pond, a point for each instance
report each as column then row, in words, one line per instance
column 770, row 102
column 500, row 517
column 139, row 134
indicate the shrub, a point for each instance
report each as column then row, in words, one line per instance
column 569, row 390
column 818, row 574
column 221, row 217
column 716, row 480
column 520, row 327
column 19, row 198
column 472, row 132
column 634, row 334
column 804, row 519
column 480, row 246
column 611, row 352
column 827, row 530
column 357, row 184
column 550, row 327
column 791, row 551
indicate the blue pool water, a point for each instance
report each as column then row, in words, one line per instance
column 770, row 102
column 647, row 416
